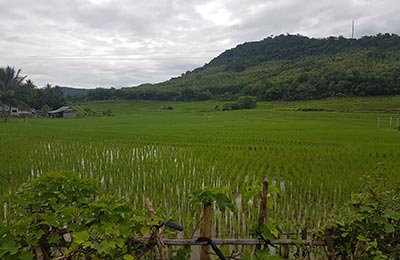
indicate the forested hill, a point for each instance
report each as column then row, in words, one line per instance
column 292, row 47
column 285, row 67
column 68, row 91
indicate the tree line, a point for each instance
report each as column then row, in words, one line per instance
column 18, row 91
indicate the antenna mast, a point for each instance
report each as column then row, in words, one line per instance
column 352, row 29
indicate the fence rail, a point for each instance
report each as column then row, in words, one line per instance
column 238, row 241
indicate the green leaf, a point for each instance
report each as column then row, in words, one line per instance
column 270, row 202
column 119, row 242
column 8, row 246
column 26, row 254
column 182, row 253
column 362, row 238
column 35, row 236
column 273, row 257
column 125, row 229
column 389, row 228
column 87, row 244
column 392, row 214
column 265, row 255
column 262, row 254
column 144, row 230
column 80, row 237
column 210, row 195
column 54, row 238
column 3, row 230
column 138, row 219
column 128, row 257
column 267, row 234
column 111, row 230
column 273, row 229
column 107, row 247
column 273, row 188
column 344, row 234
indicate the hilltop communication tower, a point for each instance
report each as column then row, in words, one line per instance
column 352, row 29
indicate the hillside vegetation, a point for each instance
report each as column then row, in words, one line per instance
column 285, row 67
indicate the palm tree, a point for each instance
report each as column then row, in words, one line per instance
column 10, row 84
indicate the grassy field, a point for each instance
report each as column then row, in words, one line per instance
column 316, row 151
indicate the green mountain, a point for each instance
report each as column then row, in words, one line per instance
column 295, row 47
column 68, row 91
column 288, row 67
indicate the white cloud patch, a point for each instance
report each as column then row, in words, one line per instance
column 92, row 43
column 217, row 13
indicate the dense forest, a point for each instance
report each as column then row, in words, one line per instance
column 285, row 67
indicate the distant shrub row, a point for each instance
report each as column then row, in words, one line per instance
column 244, row 102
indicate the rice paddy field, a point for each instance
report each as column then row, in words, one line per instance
column 316, row 152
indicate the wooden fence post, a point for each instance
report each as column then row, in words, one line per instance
column 285, row 252
column 303, row 237
column 205, row 230
column 330, row 244
column 263, row 217
column 162, row 248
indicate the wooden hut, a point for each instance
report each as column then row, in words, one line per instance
column 62, row 112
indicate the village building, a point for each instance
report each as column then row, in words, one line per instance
column 16, row 112
column 62, row 112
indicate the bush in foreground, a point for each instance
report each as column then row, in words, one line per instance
column 60, row 215
column 369, row 225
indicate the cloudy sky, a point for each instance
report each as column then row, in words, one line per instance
column 110, row 43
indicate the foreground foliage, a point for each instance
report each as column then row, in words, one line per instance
column 369, row 225
column 60, row 215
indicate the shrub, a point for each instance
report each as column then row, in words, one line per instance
column 230, row 106
column 108, row 112
column 247, row 102
column 369, row 225
column 63, row 215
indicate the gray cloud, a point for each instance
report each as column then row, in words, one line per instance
column 92, row 43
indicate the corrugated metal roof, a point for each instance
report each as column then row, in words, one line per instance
column 61, row 109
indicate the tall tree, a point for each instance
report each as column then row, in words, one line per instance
column 11, row 84
column 51, row 96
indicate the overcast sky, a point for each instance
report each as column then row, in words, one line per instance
column 110, row 43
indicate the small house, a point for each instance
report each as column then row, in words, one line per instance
column 16, row 112
column 62, row 112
